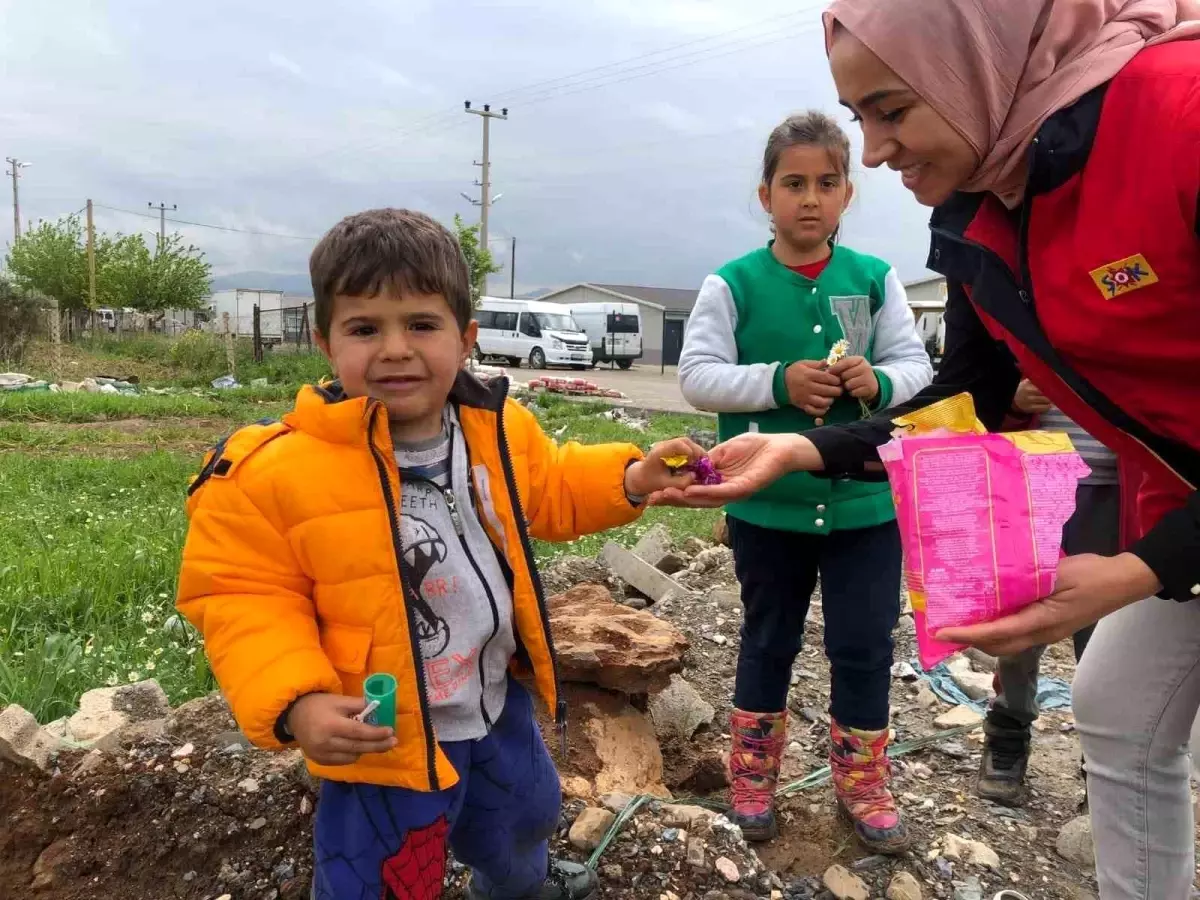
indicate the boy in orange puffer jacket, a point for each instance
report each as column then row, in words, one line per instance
column 384, row 527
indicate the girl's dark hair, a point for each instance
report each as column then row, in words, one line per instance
column 811, row 129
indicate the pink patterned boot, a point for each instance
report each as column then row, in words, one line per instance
column 758, row 740
column 861, row 773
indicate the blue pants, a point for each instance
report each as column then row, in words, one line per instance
column 380, row 842
column 860, row 597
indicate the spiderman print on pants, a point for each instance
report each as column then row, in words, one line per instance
column 376, row 842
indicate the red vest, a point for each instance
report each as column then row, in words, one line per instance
column 1094, row 285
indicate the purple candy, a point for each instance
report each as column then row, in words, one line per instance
column 705, row 473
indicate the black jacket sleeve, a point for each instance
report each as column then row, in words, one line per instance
column 974, row 362
column 1172, row 551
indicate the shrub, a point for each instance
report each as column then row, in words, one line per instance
column 199, row 353
column 20, row 319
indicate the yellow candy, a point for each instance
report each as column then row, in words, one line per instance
column 675, row 462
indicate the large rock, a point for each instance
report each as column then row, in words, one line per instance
column 958, row 717
column 613, row 744
column 603, row 643
column 904, row 886
column 844, row 884
column 1075, row 843
column 976, row 853
column 105, row 710
column 976, row 685
column 22, row 740
column 590, row 827
column 654, row 545
column 679, row 710
column 201, row 720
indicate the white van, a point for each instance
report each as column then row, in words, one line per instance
column 614, row 329
column 541, row 334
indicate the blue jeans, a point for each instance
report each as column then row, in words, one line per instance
column 860, row 598
column 390, row 843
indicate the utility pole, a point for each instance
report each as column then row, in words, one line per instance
column 17, row 166
column 485, row 183
column 512, row 271
column 91, row 256
column 162, row 220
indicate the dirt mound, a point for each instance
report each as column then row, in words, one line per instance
column 146, row 827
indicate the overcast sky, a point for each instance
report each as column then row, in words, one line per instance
column 284, row 117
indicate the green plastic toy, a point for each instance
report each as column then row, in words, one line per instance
column 380, row 689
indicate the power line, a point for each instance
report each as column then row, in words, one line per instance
column 447, row 120
column 505, row 95
column 131, row 212
column 540, row 86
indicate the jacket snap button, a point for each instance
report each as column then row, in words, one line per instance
column 820, row 507
column 816, row 329
column 820, row 523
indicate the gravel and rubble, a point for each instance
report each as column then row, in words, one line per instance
column 134, row 799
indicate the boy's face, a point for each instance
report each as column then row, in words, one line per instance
column 403, row 350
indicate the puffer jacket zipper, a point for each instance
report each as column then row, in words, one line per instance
column 383, row 467
column 510, row 480
column 450, row 498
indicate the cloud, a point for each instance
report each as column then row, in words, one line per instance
column 674, row 117
column 279, row 61
column 622, row 159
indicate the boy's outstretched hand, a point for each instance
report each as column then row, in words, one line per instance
column 651, row 474
column 325, row 729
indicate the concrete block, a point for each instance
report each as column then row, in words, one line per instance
column 638, row 573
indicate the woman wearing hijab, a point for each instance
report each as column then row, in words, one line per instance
column 1059, row 143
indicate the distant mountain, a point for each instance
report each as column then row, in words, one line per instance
column 540, row 292
column 290, row 283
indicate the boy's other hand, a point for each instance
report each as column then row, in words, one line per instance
column 858, row 377
column 811, row 388
column 326, row 731
column 1029, row 400
column 651, row 474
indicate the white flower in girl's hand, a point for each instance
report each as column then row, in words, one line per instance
column 837, row 353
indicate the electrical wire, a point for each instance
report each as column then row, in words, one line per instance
column 618, row 67
column 276, row 234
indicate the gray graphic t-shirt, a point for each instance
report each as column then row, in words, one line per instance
column 462, row 603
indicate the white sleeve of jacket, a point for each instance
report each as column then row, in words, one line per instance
column 709, row 374
column 898, row 349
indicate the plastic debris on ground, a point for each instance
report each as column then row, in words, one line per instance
column 225, row 383
column 1052, row 693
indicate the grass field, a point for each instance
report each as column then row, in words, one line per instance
column 92, row 490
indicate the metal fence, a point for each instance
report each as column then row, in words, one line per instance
column 288, row 329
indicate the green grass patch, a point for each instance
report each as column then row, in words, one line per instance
column 192, row 360
column 240, row 405
column 89, row 556
column 90, row 542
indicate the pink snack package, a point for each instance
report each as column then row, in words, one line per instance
column 981, row 519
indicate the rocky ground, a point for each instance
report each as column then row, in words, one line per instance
column 163, row 803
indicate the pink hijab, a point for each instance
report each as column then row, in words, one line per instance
column 997, row 69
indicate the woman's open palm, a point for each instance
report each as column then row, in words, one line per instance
column 747, row 464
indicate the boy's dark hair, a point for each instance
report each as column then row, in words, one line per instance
column 812, row 129
column 389, row 248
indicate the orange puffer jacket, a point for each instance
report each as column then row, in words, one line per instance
column 292, row 567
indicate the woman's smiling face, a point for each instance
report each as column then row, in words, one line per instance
column 899, row 128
